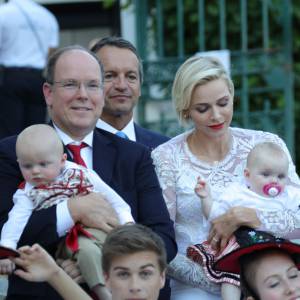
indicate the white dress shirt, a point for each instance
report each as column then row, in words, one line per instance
column 18, row 44
column 64, row 219
column 128, row 129
column 86, row 153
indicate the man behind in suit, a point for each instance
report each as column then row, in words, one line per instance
column 123, row 77
column 74, row 96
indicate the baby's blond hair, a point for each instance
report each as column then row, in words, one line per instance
column 265, row 148
column 39, row 137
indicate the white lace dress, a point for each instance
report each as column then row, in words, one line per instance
column 177, row 169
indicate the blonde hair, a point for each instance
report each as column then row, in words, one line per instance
column 196, row 71
column 39, row 137
column 269, row 148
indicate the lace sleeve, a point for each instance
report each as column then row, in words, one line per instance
column 185, row 270
column 165, row 170
column 279, row 223
column 181, row 268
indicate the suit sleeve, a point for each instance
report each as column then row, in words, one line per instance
column 41, row 226
column 152, row 209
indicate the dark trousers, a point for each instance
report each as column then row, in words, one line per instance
column 21, row 99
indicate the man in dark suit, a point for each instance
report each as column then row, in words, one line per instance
column 123, row 77
column 74, row 96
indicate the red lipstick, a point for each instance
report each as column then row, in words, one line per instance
column 217, row 126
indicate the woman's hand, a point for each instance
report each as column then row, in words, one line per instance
column 224, row 226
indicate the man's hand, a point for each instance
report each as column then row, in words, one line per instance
column 71, row 268
column 224, row 226
column 93, row 211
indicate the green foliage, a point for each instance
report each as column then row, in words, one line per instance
column 108, row 3
column 266, row 79
column 296, row 58
column 212, row 26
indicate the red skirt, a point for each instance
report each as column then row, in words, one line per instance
column 204, row 255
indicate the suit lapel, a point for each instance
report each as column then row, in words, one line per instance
column 104, row 156
column 141, row 135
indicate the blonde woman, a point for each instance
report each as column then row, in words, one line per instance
column 203, row 94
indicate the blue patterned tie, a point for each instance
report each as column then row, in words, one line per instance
column 122, row 135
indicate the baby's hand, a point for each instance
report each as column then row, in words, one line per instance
column 6, row 266
column 201, row 188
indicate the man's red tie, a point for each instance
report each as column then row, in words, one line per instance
column 75, row 150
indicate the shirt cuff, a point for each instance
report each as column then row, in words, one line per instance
column 126, row 218
column 8, row 244
column 64, row 220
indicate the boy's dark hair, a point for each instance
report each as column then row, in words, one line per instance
column 119, row 42
column 130, row 239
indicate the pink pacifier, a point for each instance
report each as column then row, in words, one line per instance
column 272, row 189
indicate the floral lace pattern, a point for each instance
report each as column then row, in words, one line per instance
column 281, row 222
column 177, row 169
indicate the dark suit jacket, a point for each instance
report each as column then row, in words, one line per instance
column 152, row 139
column 149, row 138
column 124, row 165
